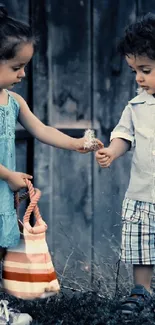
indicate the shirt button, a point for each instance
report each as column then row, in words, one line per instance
column 10, row 133
column 153, row 152
column 7, row 112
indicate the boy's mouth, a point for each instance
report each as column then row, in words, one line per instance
column 145, row 87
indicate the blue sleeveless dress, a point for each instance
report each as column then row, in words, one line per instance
column 9, row 232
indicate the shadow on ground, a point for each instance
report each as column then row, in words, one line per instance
column 80, row 309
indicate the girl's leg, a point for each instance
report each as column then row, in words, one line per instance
column 142, row 274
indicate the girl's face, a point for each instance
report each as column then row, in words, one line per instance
column 12, row 71
column 144, row 68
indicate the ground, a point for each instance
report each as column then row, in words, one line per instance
column 79, row 308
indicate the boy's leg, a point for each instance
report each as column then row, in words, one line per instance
column 142, row 275
column 138, row 225
column 140, row 294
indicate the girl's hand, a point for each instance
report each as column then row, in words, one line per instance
column 80, row 145
column 104, row 157
column 16, row 180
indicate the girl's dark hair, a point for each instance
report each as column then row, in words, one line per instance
column 13, row 33
column 139, row 38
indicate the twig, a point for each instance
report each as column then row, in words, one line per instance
column 65, row 267
column 82, row 291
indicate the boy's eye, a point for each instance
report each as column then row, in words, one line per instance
column 146, row 71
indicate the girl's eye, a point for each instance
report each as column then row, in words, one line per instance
column 16, row 68
column 133, row 71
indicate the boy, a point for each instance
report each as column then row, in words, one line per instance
column 136, row 129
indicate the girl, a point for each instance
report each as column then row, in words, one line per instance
column 16, row 50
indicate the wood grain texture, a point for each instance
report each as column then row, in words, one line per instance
column 113, row 87
column 71, row 93
column 40, row 100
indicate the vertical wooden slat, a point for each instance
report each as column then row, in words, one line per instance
column 113, row 87
column 38, row 18
column 70, row 75
column 144, row 7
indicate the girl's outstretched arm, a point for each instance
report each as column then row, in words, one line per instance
column 48, row 134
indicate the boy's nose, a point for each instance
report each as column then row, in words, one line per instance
column 139, row 78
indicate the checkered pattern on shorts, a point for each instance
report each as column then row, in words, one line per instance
column 138, row 232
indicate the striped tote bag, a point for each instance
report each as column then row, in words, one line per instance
column 28, row 271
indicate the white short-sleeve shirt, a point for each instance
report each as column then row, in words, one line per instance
column 137, row 124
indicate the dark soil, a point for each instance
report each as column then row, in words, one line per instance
column 79, row 308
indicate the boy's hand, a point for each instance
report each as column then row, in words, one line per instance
column 16, row 180
column 80, row 145
column 104, row 157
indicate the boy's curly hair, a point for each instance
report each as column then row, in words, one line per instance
column 139, row 38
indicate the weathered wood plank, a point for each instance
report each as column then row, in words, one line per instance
column 40, row 101
column 113, row 87
column 70, row 80
column 143, row 7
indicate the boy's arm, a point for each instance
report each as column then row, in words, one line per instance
column 123, row 133
column 119, row 147
column 122, row 139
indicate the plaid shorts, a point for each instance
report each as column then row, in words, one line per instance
column 138, row 232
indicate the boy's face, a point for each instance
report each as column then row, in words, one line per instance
column 144, row 68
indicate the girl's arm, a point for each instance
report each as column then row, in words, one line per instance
column 4, row 173
column 15, row 180
column 47, row 134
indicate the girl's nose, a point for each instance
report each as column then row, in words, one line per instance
column 21, row 73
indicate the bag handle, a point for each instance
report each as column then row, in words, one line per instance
column 34, row 195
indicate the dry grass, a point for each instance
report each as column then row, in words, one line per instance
column 80, row 308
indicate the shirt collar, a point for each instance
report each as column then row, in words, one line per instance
column 142, row 98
